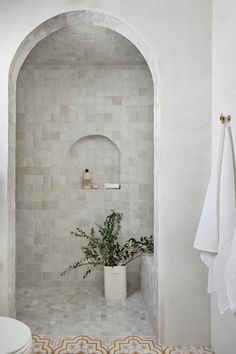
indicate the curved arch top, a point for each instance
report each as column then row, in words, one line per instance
column 92, row 136
column 74, row 17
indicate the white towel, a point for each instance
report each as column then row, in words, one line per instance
column 230, row 276
column 216, row 228
column 207, row 238
column 230, row 272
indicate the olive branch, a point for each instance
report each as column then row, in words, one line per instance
column 105, row 248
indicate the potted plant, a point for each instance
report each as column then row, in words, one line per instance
column 106, row 249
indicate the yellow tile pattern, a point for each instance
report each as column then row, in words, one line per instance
column 107, row 345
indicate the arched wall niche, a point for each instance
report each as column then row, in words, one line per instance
column 43, row 30
column 100, row 155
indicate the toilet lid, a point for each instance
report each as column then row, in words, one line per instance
column 14, row 335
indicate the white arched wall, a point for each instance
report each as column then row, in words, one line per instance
column 46, row 28
column 179, row 37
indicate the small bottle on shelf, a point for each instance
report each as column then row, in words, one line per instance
column 87, row 179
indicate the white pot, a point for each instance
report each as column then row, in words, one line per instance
column 115, row 283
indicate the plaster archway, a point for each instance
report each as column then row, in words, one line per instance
column 43, row 30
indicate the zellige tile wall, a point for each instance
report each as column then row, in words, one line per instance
column 57, row 106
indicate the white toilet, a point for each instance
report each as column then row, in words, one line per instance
column 15, row 337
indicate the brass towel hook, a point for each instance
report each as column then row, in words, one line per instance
column 224, row 118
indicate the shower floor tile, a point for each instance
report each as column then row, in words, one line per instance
column 77, row 311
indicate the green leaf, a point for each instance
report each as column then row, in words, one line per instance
column 106, row 248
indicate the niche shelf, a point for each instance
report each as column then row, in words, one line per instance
column 100, row 155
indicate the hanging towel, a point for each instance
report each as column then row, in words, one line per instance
column 216, row 228
column 207, row 238
column 230, row 276
column 230, row 272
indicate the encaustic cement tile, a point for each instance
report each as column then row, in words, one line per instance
column 107, row 345
column 133, row 345
column 69, row 345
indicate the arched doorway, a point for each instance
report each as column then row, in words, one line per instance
column 62, row 21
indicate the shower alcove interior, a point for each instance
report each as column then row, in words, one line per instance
column 84, row 100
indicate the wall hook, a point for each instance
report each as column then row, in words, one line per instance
column 224, row 118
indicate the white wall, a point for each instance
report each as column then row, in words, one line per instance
column 223, row 327
column 179, row 36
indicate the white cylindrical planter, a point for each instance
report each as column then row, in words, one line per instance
column 115, row 283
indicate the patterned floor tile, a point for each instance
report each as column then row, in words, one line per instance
column 69, row 345
column 81, row 345
column 134, row 345
column 189, row 350
column 42, row 344
column 107, row 345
